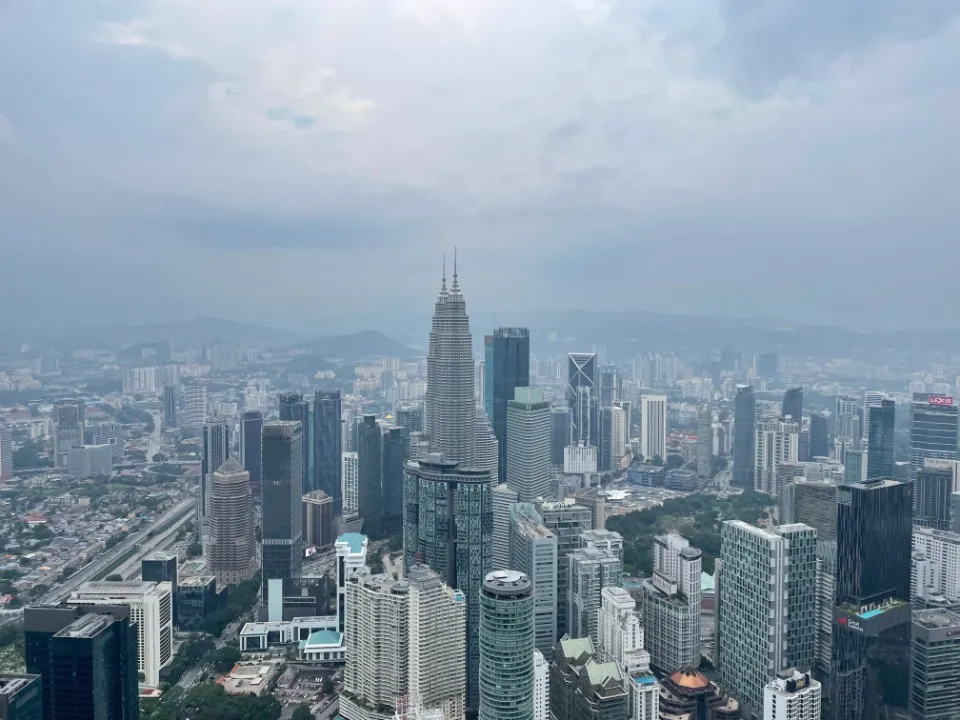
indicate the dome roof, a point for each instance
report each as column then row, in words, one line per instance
column 690, row 678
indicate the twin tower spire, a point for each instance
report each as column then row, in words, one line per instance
column 443, row 284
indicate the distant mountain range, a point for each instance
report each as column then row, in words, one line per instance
column 363, row 345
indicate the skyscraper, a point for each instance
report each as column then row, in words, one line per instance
column 880, row 428
column 282, row 555
column 935, row 672
column 767, row 615
column 847, row 427
column 251, row 427
column 21, row 697
column 533, row 551
column 294, row 408
column 744, row 429
column 449, row 401
column 231, row 549
column 68, row 427
column 529, row 469
column 932, row 487
column 871, row 633
column 560, row 432
column 510, row 370
column 448, row 522
column 777, row 441
column 216, row 450
column 6, row 453
column 704, row 441
column 327, row 445
column 792, row 695
column 567, row 522
column 486, row 454
column 169, row 406
column 393, row 450
column 792, row 406
column 653, row 427
column 506, row 646
column 933, row 429
column 582, row 398
column 194, row 405
column 819, row 439
column 504, row 497
column 589, row 571
column 350, row 473
column 369, row 489
column 768, row 365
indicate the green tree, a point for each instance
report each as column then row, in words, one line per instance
column 225, row 658
column 194, row 549
column 302, row 712
column 114, row 577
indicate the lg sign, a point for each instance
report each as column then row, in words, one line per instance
column 940, row 400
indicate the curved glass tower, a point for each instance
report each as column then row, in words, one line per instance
column 506, row 646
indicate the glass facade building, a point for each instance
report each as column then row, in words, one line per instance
column 327, row 446
column 819, row 438
column 282, row 552
column 744, row 436
column 933, row 429
column 792, row 404
column 294, row 408
column 370, row 468
column 935, row 673
column 582, row 398
column 534, row 552
column 507, row 364
column 506, row 646
column 393, row 451
column 932, row 487
column 881, row 428
column 251, row 426
column 567, row 522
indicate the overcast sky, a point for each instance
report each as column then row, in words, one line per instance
column 789, row 158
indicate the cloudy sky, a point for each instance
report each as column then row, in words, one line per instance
column 793, row 158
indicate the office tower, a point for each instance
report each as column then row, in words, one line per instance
column 485, row 377
column 768, row 365
column 231, row 548
column 282, row 554
column 369, row 470
column 594, row 499
column 327, row 445
column 854, row 463
column 871, row 633
column 826, row 591
column 589, row 571
column 503, row 498
column 933, row 429
column 777, row 441
column 448, row 522
column 612, row 439
column 319, row 523
column 704, row 441
column 409, row 417
column 566, row 521
column 509, row 370
column 744, row 429
column 151, row 613
column 6, row 453
column 68, row 427
column 88, row 461
column 377, row 642
column 819, row 440
column 111, row 434
column 815, row 504
column 533, row 551
column 880, row 439
column 528, row 462
column 161, row 566
column 21, row 697
column 767, row 615
column 87, row 661
column 582, row 398
column 486, row 455
column 935, row 671
column 251, row 427
column 541, row 686
column 169, row 406
column 438, row 633
column 393, row 451
column 932, row 487
column 350, row 474
column 194, row 405
column 653, row 427
column 560, row 431
column 506, row 646
column 295, row 409
column 582, row 687
column 671, row 604
column 792, row 695
column 792, row 406
column 449, row 403
column 216, row 450
column 788, row 474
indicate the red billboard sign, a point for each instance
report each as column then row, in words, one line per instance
column 940, row 400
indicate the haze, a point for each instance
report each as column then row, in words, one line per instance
column 279, row 162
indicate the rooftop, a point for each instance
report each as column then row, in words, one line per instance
column 355, row 541
column 85, row 626
column 196, row 580
column 936, row 618
column 12, row 684
column 533, row 529
column 107, row 588
column 323, row 638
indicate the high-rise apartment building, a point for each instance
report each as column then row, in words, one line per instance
column 109, row 433
column 582, row 398
column 704, row 441
column 370, row 467
column 504, row 497
column 282, row 554
column 671, row 604
column 327, row 446
column 767, row 612
column 350, row 475
column 653, row 427
column 294, row 408
column 508, row 368
column 448, row 523
column 566, row 520
column 506, row 646
column 194, row 405
column 231, row 549
column 68, row 427
column 935, row 670
column 449, row 402
column 589, row 571
column 438, row 632
column 881, row 429
column 932, row 487
column 847, row 424
column 529, row 469
column 777, row 441
column 216, row 450
column 744, row 430
column 170, row 406
column 933, row 429
column 792, row 695
column 792, row 406
column 251, row 428
column 533, row 551
column 935, row 567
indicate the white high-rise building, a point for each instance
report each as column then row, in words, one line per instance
column 935, row 566
column 438, row 631
column 6, row 453
column 792, row 695
column 350, row 479
column 620, row 631
column 704, row 441
column 194, row 405
column 671, row 604
column 151, row 608
column 579, row 459
column 449, row 408
column 777, row 441
column 503, row 497
column 653, row 426
column 541, row 687
column 529, row 470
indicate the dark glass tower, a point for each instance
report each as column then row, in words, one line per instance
column 169, row 406
column 393, row 453
column 511, row 369
column 744, row 436
column 932, row 486
column 327, row 438
column 282, row 492
column 871, row 634
column 216, row 450
column 251, row 428
column 819, row 439
column 448, row 525
column 768, row 365
column 369, row 482
column 792, row 404
column 560, row 433
column 21, row 697
column 582, row 397
column 882, row 419
column 294, row 408
column 933, row 429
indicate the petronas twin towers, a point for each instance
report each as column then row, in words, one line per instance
column 451, row 419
